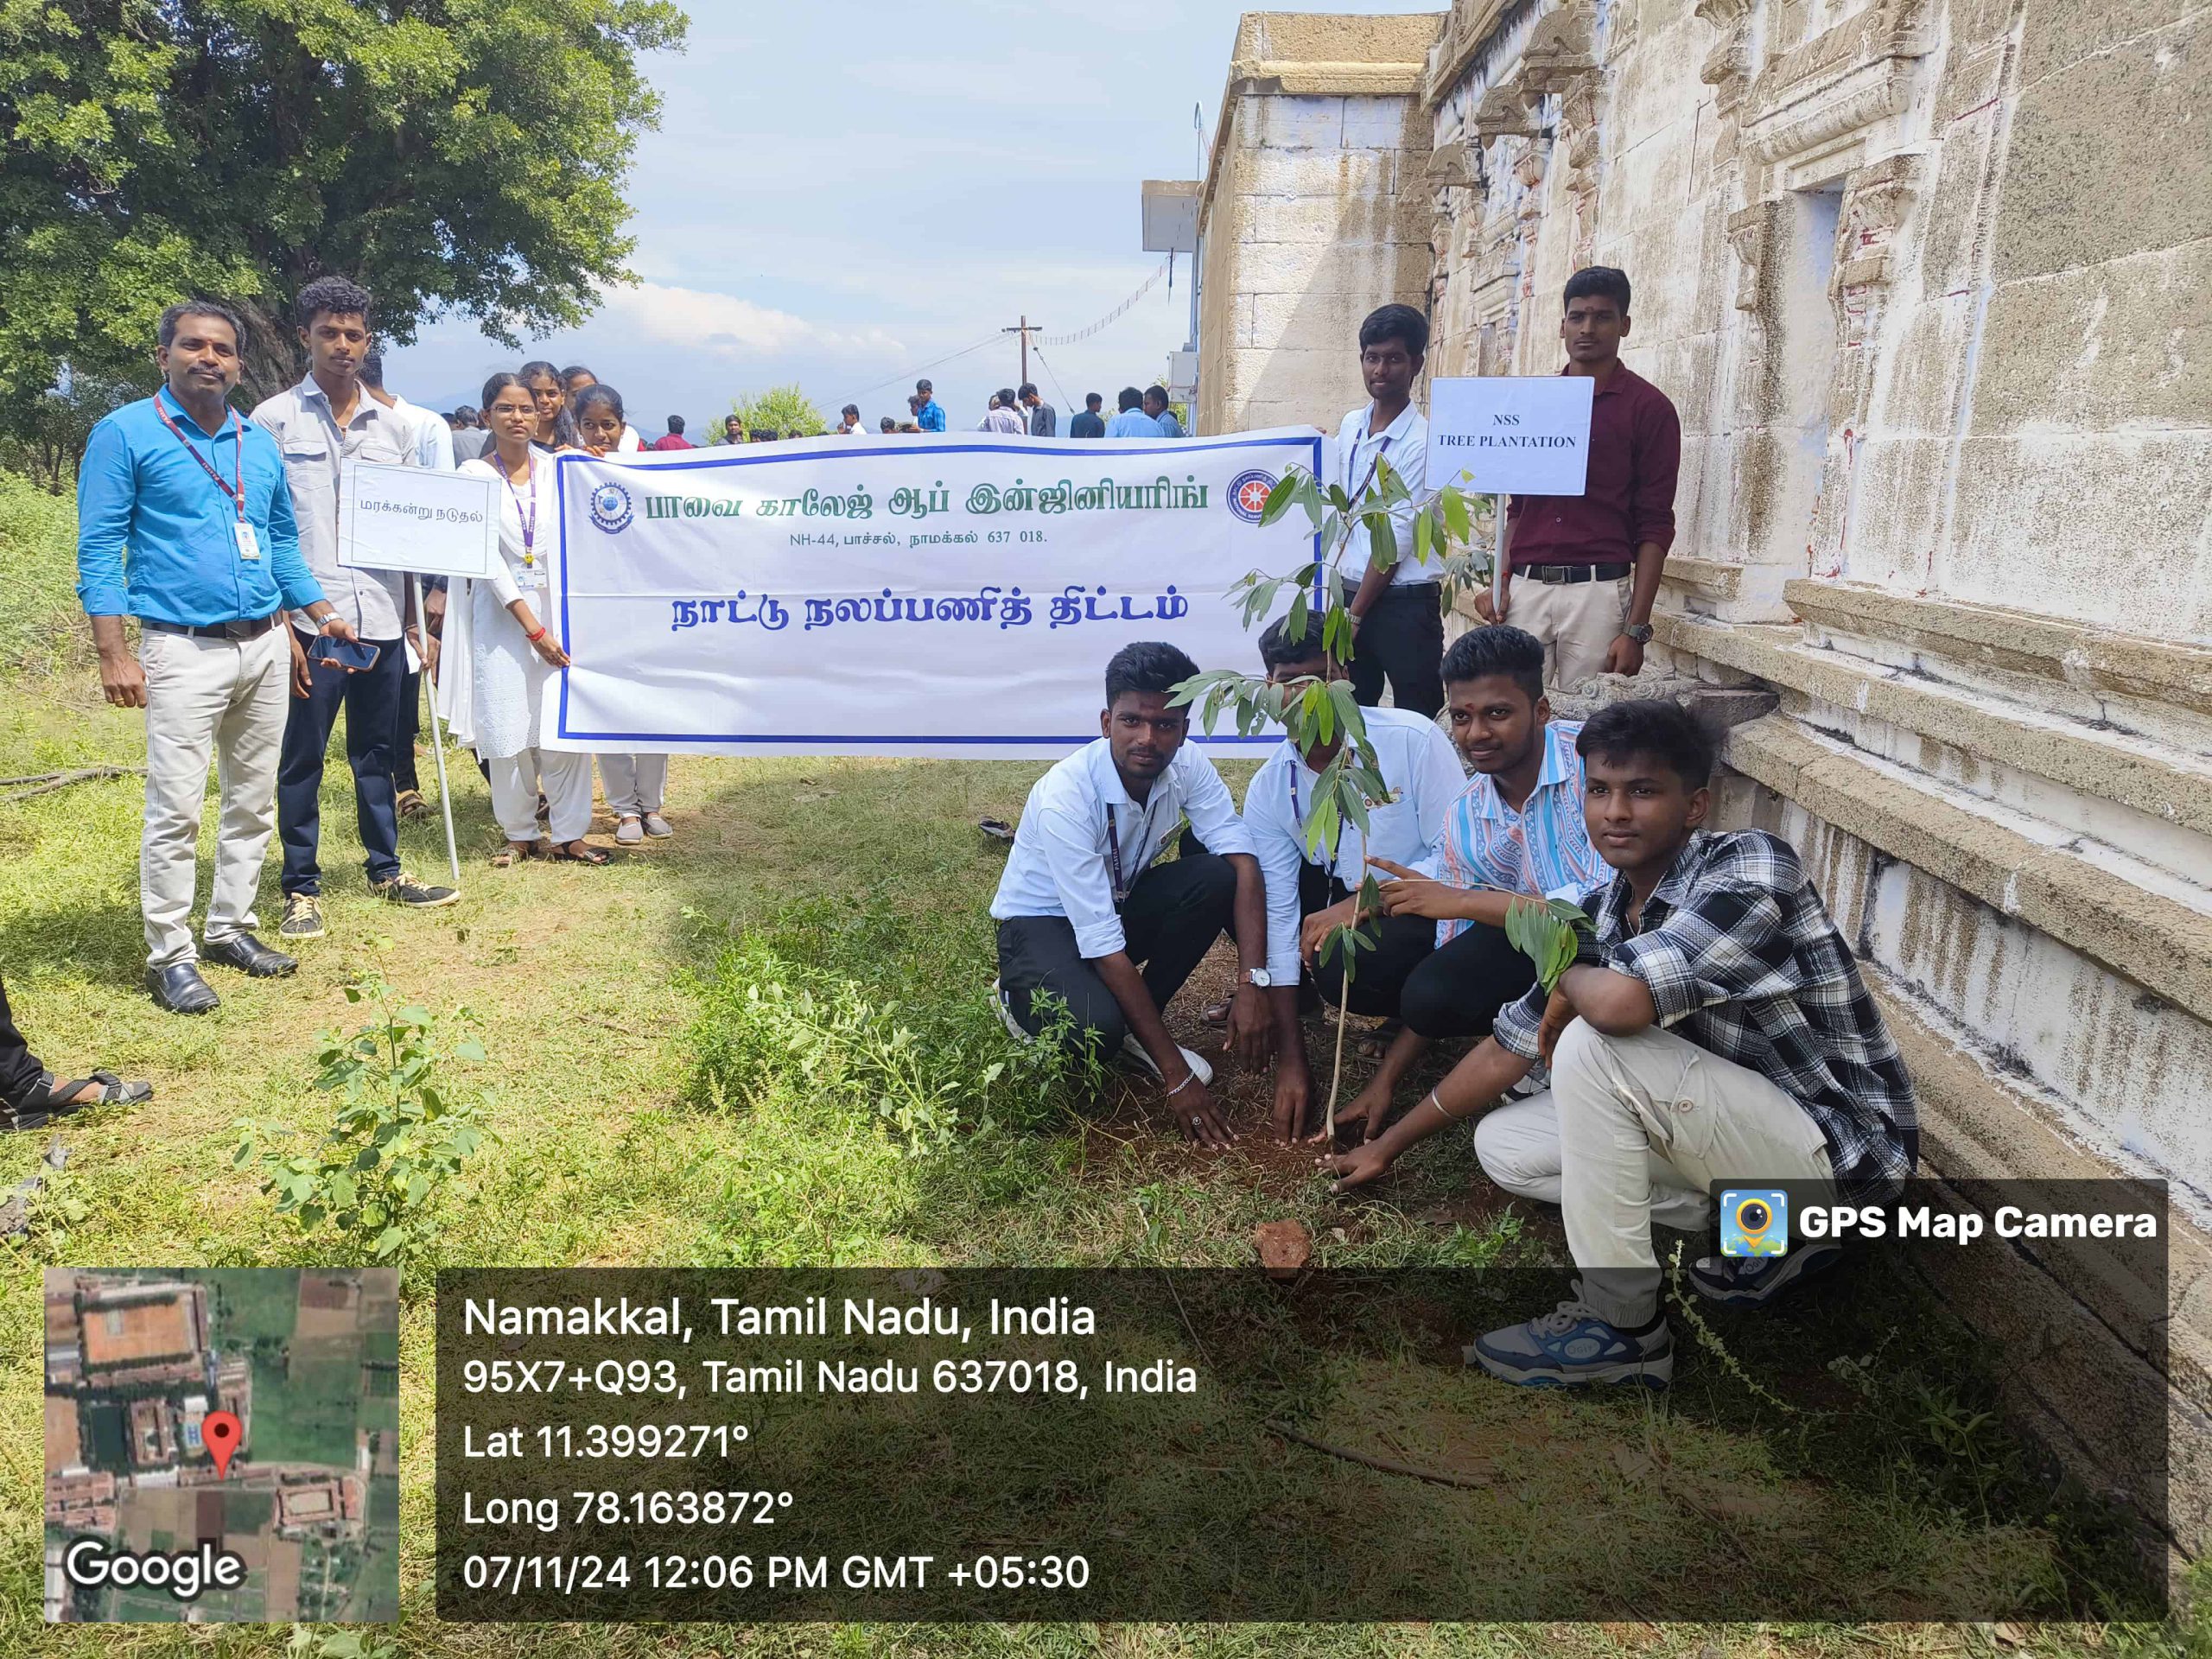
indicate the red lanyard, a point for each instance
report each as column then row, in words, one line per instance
column 235, row 491
column 529, row 519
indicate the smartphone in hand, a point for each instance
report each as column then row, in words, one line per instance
column 355, row 656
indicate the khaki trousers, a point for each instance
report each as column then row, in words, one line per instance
column 1576, row 621
column 224, row 699
column 1637, row 1129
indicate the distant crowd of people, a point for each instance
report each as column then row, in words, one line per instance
column 1019, row 411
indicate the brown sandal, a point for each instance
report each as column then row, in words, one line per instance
column 564, row 855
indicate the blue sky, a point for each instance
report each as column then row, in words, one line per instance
column 841, row 192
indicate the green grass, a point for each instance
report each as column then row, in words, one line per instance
column 649, row 1113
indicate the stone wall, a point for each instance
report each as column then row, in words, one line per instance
column 1925, row 280
column 1313, row 213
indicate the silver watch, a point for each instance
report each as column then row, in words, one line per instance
column 1259, row 976
column 1639, row 631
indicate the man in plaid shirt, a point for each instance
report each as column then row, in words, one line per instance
column 1716, row 1030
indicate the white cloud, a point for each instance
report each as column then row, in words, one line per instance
column 728, row 326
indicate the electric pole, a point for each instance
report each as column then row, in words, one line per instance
column 1025, row 328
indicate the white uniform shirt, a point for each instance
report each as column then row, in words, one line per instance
column 1423, row 771
column 1063, row 859
column 1404, row 444
column 433, row 437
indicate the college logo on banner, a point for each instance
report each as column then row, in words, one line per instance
column 610, row 507
column 1248, row 493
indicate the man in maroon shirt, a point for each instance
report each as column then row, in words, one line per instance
column 673, row 438
column 1582, row 571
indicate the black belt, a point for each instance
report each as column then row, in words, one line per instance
column 250, row 627
column 1575, row 572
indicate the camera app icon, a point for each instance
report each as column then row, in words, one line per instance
column 1754, row 1222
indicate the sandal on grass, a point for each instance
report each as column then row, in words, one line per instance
column 578, row 852
column 409, row 804
column 514, row 852
column 57, row 1097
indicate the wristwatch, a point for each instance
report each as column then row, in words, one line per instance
column 1259, row 976
column 1639, row 631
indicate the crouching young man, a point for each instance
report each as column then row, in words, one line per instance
column 1423, row 779
column 1081, row 905
column 1717, row 1031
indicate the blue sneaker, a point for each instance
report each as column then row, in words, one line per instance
column 1571, row 1347
column 1754, row 1281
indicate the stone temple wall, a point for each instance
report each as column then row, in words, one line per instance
column 1926, row 280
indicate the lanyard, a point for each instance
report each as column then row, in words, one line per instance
column 529, row 519
column 1373, row 467
column 1114, row 845
column 236, row 490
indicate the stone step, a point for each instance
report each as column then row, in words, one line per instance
column 2171, row 786
column 2136, row 919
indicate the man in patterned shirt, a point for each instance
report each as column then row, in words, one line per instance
column 1515, row 831
column 1716, row 1030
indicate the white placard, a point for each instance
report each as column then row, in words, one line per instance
column 419, row 519
column 913, row 596
column 1525, row 435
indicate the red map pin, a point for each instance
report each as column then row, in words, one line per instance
column 221, row 1430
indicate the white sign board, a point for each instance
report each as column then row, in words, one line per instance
column 916, row 595
column 417, row 519
column 1522, row 435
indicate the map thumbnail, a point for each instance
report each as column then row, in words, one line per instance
column 306, row 1360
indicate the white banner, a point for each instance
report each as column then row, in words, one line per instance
column 418, row 518
column 952, row 595
column 1522, row 435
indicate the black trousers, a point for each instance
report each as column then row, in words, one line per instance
column 1396, row 947
column 1171, row 918
column 1402, row 636
column 367, row 699
column 404, row 731
column 22, row 1076
column 1459, row 989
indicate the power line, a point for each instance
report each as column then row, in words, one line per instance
column 1117, row 313
column 990, row 339
column 1055, row 379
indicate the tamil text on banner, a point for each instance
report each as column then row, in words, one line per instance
column 953, row 595
column 1522, row 435
column 417, row 519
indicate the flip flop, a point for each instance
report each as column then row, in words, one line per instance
column 996, row 829
column 590, row 855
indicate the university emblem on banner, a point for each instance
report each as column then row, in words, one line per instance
column 610, row 508
column 1249, row 493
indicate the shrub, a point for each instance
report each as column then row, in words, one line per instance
column 397, row 1144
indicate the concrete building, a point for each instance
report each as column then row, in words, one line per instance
column 1924, row 279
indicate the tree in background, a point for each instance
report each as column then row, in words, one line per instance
column 781, row 410
column 453, row 159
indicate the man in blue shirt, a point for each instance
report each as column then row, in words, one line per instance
column 184, row 521
column 929, row 414
column 1090, row 423
column 1132, row 422
column 1162, row 412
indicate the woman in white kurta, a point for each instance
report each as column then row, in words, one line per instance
column 513, row 648
column 637, row 785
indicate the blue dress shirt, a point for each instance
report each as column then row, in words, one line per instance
column 157, row 539
column 930, row 417
column 1134, row 423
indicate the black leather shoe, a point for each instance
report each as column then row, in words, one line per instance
column 178, row 988
column 248, row 956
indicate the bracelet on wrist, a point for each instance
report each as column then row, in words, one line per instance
column 535, row 638
column 1189, row 1077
